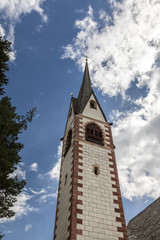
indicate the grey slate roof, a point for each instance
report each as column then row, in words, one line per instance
column 84, row 94
column 85, row 90
column 146, row 225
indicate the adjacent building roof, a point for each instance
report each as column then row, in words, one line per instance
column 146, row 225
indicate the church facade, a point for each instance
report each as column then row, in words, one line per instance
column 89, row 204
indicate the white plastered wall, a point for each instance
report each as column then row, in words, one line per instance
column 62, row 223
column 69, row 120
column 93, row 113
column 99, row 216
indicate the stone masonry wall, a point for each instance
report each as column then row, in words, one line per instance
column 146, row 225
column 89, row 206
column 63, row 212
column 100, row 212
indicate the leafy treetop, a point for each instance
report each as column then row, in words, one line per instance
column 11, row 125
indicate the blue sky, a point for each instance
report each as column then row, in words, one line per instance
column 50, row 39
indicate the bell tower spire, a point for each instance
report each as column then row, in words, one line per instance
column 89, row 205
column 86, row 88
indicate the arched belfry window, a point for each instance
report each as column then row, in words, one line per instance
column 68, row 142
column 94, row 134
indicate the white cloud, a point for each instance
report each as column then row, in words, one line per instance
column 40, row 176
column 11, row 12
column 2, row 31
column 38, row 192
column 7, row 232
column 138, row 151
column 37, row 116
column 21, row 207
column 122, row 49
column 54, row 173
column 44, row 198
column 27, row 227
column 39, row 27
column 33, row 167
column 13, row 9
column 19, row 172
column 21, row 164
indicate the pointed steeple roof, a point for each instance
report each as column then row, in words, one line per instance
column 84, row 94
column 85, row 90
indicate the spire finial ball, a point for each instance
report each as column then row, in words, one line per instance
column 86, row 58
column 71, row 94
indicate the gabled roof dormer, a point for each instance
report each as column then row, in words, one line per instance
column 93, row 110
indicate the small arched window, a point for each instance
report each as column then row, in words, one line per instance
column 94, row 133
column 93, row 104
column 96, row 169
column 68, row 142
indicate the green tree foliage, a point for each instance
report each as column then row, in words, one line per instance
column 5, row 49
column 11, row 125
column 1, row 236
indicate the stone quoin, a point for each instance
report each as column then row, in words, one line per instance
column 89, row 204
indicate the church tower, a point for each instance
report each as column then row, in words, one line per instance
column 89, row 204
